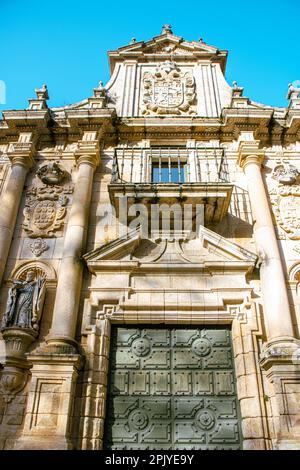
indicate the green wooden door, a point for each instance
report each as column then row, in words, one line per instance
column 172, row 388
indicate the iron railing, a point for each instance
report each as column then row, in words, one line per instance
column 170, row 165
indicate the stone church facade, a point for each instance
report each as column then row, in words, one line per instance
column 150, row 261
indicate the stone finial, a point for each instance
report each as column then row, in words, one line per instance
column 293, row 92
column 100, row 91
column 167, row 29
column 99, row 98
column 294, row 95
column 40, row 102
column 237, row 91
column 42, row 93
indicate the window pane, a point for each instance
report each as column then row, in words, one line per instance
column 155, row 174
column 175, row 174
column 162, row 174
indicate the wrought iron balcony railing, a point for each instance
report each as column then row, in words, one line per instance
column 163, row 165
column 170, row 175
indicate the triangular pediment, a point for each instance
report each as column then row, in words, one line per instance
column 210, row 250
column 166, row 46
column 121, row 248
column 221, row 247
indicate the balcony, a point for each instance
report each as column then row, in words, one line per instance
column 196, row 176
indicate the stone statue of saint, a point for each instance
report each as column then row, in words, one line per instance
column 25, row 302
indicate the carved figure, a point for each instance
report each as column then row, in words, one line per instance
column 25, row 302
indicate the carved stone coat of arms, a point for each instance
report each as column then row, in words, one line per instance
column 285, row 200
column 168, row 90
column 44, row 210
column 286, row 207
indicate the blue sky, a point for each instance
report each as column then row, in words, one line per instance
column 64, row 43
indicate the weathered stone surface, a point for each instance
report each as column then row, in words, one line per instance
column 240, row 268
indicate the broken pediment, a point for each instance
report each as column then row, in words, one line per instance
column 209, row 251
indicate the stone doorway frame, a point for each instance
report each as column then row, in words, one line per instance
column 246, row 328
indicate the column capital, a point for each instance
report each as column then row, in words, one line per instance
column 88, row 152
column 21, row 153
column 249, row 152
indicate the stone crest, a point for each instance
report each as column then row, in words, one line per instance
column 168, row 90
column 44, row 211
column 285, row 200
column 51, row 173
column 285, row 173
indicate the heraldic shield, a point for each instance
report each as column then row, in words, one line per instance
column 169, row 91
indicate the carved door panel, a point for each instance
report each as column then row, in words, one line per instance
column 172, row 388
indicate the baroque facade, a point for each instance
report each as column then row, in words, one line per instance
column 150, row 261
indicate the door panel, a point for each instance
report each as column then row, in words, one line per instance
column 172, row 388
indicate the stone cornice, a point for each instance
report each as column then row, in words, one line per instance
column 262, row 122
column 26, row 117
column 95, row 114
column 293, row 120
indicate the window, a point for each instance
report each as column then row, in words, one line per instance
column 169, row 172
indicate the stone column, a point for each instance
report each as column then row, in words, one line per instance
column 55, row 366
column 279, row 353
column 70, row 272
column 20, row 155
column 274, row 290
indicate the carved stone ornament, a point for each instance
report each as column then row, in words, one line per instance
column 297, row 248
column 168, row 90
column 25, row 302
column 38, row 246
column 285, row 200
column 285, row 173
column 12, row 381
column 45, row 209
column 51, row 173
column 20, row 325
